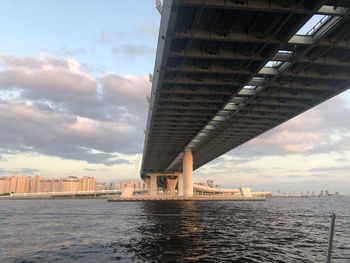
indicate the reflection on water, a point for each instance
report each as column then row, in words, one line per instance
column 278, row 230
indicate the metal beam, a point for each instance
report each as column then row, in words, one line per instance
column 280, row 102
column 329, row 10
column 315, row 74
column 193, row 98
column 289, row 95
column 233, row 36
column 270, row 109
column 261, row 6
column 303, row 85
column 219, row 54
column 192, row 113
column 197, row 106
column 200, row 91
column 185, row 119
column 207, row 81
column 318, row 74
column 231, row 55
column 190, row 68
column 323, row 61
column 242, row 37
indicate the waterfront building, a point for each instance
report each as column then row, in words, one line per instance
column 36, row 184
column 13, row 184
column 101, row 186
column 88, row 183
column 210, row 183
column 47, row 186
column 136, row 183
column 71, row 184
column 56, row 185
column 4, row 185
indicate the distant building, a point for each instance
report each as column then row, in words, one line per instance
column 101, row 186
column 327, row 193
column 35, row 184
column 88, row 183
column 4, row 185
column 56, row 185
column 210, row 183
column 70, row 184
column 121, row 185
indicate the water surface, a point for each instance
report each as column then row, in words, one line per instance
column 94, row 230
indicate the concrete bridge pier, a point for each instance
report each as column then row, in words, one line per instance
column 188, row 174
column 152, row 186
column 180, row 184
column 184, row 181
column 171, row 185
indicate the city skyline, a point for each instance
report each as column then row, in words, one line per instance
column 40, row 184
column 73, row 101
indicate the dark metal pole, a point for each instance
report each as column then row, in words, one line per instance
column 330, row 239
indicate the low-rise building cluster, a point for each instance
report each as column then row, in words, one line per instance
column 121, row 185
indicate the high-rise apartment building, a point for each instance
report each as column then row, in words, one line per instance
column 36, row 184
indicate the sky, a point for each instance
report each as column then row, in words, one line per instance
column 73, row 101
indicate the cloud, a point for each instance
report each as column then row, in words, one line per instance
column 323, row 129
column 342, row 159
column 127, row 92
column 268, row 176
column 234, row 160
column 46, row 78
column 64, row 51
column 64, row 84
column 64, row 135
column 133, row 51
column 60, row 85
column 340, row 145
column 19, row 171
column 94, row 170
column 59, row 110
column 149, row 29
column 345, row 169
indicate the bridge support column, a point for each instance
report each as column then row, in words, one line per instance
column 180, row 184
column 170, row 185
column 152, row 184
column 188, row 174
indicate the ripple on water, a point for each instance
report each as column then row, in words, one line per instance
column 278, row 230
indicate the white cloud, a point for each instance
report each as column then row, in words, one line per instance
column 148, row 29
column 133, row 51
column 59, row 110
column 319, row 130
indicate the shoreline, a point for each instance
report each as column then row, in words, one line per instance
column 50, row 197
column 164, row 198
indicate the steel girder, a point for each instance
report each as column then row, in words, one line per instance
column 212, row 76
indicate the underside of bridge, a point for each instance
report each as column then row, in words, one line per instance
column 227, row 71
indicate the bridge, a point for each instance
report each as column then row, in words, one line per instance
column 227, row 71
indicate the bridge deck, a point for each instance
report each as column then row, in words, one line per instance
column 228, row 71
